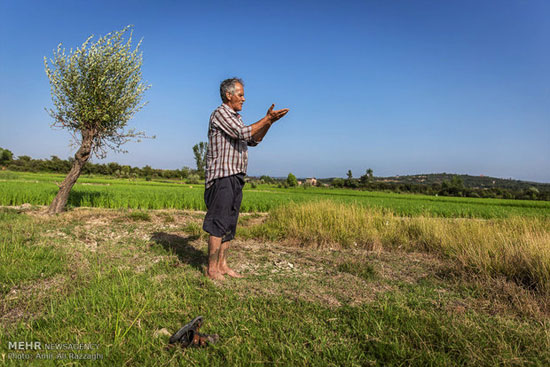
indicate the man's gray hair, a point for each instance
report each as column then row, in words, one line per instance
column 228, row 85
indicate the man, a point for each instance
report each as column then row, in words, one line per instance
column 226, row 163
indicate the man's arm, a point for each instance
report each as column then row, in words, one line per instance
column 260, row 128
column 230, row 125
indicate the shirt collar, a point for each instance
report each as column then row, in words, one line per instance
column 229, row 109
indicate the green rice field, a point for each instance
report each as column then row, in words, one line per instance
column 17, row 188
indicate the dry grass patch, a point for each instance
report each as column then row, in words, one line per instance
column 518, row 248
column 494, row 295
column 321, row 275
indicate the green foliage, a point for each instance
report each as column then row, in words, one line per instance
column 6, row 156
column 97, row 89
column 267, row 179
column 350, row 182
column 291, row 180
column 366, row 178
column 532, row 192
column 194, row 179
column 457, row 182
column 338, row 182
column 453, row 188
column 184, row 172
column 199, row 151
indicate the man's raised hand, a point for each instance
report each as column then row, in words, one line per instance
column 275, row 115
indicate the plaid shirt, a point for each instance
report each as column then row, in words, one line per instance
column 228, row 138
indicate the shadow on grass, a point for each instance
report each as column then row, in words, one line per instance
column 181, row 246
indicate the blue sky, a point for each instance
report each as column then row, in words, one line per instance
column 402, row 87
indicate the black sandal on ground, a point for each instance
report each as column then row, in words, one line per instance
column 186, row 334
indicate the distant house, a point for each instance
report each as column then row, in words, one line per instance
column 311, row 181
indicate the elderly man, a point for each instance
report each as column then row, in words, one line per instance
column 226, row 163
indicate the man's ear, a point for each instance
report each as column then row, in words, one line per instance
column 227, row 96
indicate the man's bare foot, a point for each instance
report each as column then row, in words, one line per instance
column 231, row 273
column 215, row 275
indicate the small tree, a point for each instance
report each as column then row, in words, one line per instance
column 193, row 179
column 185, row 171
column 349, row 181
column 199, row 151
column 291, row 180
column 6, row 156
column 366, row 178
column 370, row 173
column 96, row 90
column 532, row 192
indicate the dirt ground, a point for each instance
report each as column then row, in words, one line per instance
column 286, row 269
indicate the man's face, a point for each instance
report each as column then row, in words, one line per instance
column 236, row 100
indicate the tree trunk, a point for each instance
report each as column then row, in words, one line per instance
column 80, row 158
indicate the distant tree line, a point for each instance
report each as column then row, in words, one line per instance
column 453, row 187
column 469, row 181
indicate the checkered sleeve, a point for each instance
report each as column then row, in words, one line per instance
column 232, row 126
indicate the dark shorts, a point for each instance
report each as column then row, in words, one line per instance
column 223, row 202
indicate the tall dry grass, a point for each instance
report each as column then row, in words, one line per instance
column 516, row 247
